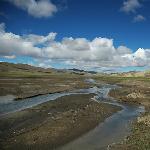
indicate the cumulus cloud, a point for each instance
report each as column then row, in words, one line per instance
column 139, row 18
column 41, row 8
column 37, row 39
column 139, row 58
column 10, row 57
column 121, row 50
column 12, row 44
column 130, row 6
column 99, row 52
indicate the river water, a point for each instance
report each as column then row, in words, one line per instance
column 113, row 129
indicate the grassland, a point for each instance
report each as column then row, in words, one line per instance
column 26, row 81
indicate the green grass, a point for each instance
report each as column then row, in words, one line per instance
column 113, row 79
column 28, row 74
column 23, row 74
column 140, row 138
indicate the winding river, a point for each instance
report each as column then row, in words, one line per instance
column 112, row 130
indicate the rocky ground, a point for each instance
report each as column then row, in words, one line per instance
column 53, row 123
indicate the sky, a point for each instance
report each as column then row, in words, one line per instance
column 100, row 35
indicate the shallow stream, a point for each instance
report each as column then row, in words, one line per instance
column 113, row 129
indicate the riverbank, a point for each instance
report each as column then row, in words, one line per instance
column 53, row 123
column 22, row 88
column 133, row 90
column 136, row 93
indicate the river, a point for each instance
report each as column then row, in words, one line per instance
column 112, row 130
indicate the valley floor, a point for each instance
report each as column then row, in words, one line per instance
column 53, row 123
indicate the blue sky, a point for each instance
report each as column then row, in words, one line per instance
column 125, row 21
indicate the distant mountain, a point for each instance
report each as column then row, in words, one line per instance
column 132, row 74
column 10, row 67
column 5, row 66
column 76, row 70
column 81, row 71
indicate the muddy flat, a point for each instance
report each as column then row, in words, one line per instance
column 53, row 123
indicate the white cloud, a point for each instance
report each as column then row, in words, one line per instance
column 99, row 52
column 44, row 65
column 10, row 57
column 139, row 58
column 139, row 18
column 140, row 53
column 121, row 50
column 2, row 27
column 12, row 44
column 41, row 8
column 130, row 6
column 37, row 39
